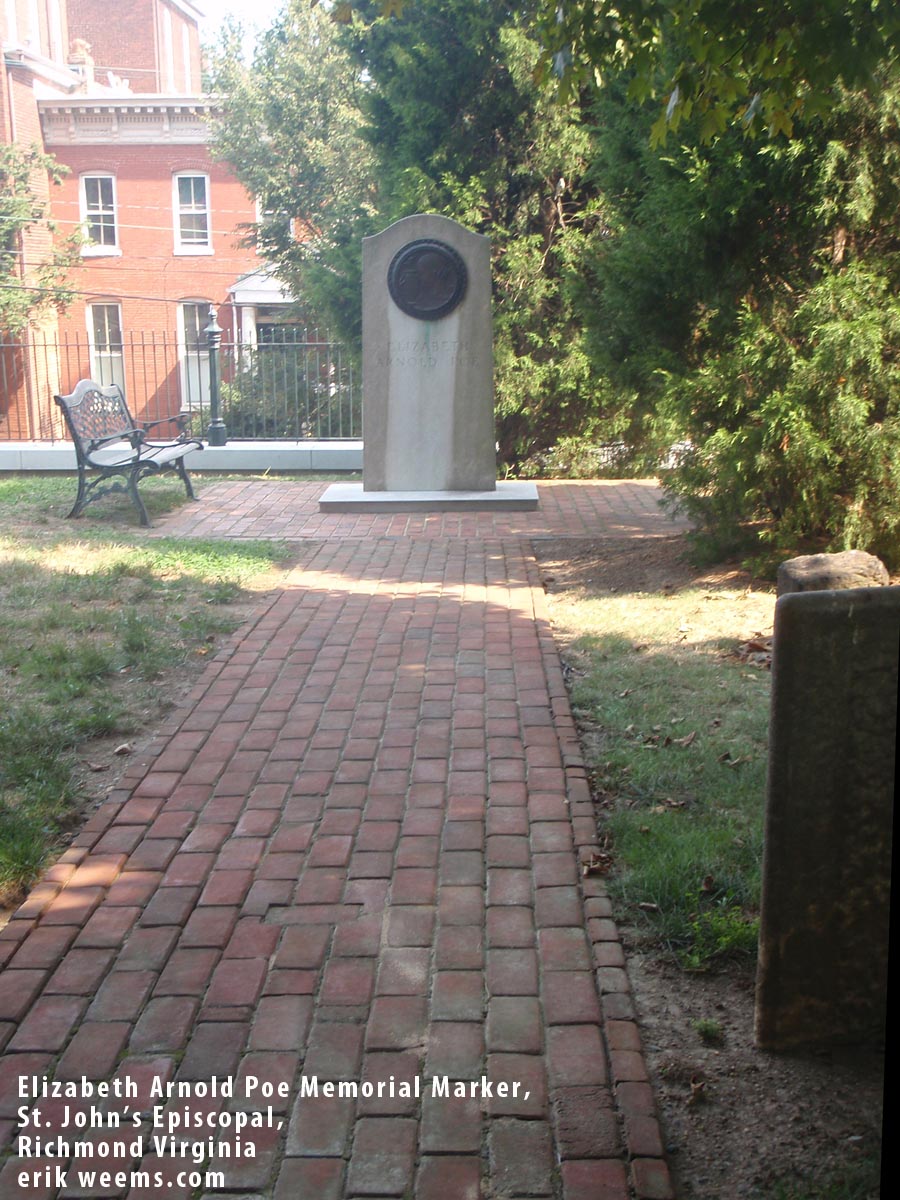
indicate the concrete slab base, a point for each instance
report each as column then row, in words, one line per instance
column 511, row 495
column 255, row 456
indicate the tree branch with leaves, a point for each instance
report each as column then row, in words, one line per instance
column 28, row 288
column 761, row 64
column 764, row 65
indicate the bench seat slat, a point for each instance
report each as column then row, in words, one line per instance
column 123, row 454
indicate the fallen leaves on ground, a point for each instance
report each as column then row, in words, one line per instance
column 756, row 651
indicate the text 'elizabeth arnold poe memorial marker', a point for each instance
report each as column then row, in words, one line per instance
column 428, row 375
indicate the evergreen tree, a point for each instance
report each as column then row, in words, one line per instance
column 435, row 111
column 748, row 302
column 739, row 296
column 716, row 61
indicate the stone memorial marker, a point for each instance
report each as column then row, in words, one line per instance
column 428, row 374
column 823, row 953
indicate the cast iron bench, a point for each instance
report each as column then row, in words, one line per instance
column 110, row 443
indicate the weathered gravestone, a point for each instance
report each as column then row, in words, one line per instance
column 822, row 975
column 428, row 374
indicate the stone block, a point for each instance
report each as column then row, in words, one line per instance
column 822, row 976
column 831, row 572
column 428, row 408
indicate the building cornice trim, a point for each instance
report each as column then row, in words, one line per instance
column 133, row 103
column 141, row 120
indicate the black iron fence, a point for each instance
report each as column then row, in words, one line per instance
column 292, row 384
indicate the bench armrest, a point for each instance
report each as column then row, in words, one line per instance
column 179, row 419
column 135, row 436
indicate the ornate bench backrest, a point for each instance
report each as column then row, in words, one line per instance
column 94, row 412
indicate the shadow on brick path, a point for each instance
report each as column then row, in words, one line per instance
column 339, row 906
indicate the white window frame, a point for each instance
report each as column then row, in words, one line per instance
column 186, row 245
column 107, row 355
column 12, row 22
column 33, row 37
column 105, row 214
column 186, row 55
column 55, row 31
column 168, row 53
column 193, row 356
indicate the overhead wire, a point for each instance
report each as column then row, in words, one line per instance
column 96, row 295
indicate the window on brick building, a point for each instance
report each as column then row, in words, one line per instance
column 193, row 319
column 274, row 223
column 107, row 349
column 98, row 214
column 192, row 224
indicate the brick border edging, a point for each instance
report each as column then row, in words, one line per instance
column 632, row 1092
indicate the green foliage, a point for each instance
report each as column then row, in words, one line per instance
column 353, row 127
column 38, row 792
column 722, row 932
column 587, row 456
column 746, row 303
column 23, row 298
column 710, row 63
column 736, row 295
column 458, row 128
column 708, row 1030
column 796, row 421
column 23, row 850
column 291, row 131
column 687, row 232
column 282, row 387
column 707, row 62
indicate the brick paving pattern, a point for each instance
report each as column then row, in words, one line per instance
column 257, row 508
column 353, row 857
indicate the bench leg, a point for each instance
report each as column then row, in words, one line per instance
column 185, row 478
column 81, row 497
column 136, row 497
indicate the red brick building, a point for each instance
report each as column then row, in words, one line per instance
column 152, row 45
column 112, row 92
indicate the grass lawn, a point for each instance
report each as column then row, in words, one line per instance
column 667, row 672
column 100, row 625
column 674, row 715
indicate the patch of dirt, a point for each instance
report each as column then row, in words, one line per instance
column 736, row 1121
column 613, row 566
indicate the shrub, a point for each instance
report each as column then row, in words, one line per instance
column 796, row 423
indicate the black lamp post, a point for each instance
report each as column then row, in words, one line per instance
column 217, row 434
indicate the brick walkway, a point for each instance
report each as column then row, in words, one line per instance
column 352, row 858
column 280, row 509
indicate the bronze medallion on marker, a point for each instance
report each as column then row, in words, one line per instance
column 427, row 279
